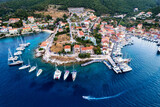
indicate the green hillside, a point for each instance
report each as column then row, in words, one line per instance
column 100, row 6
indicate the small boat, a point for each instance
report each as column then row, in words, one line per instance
column 20, row 48
column 117, row 69
column 25, row 66
column 57, row 74
column 33, row 68
column 18, row 53
column 66, row 74
column 10, row 56
column 39, row 72
column 16, row 63
column 74, row 74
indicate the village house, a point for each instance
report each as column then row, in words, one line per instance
column 26, row 30
column 139, row 26
column 158, row 15
column 105, row 41
column 148, row 14
column 60, row 30
column 4, row 30
column 44, row 44
column 105, row 50
column 76, row 49
column 31, row 19
column 14, row 20
column 80, row 34
column 87, row 50
column 13, row 31
column 67, row 48
column 0, row 22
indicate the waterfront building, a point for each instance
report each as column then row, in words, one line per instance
column 31, row 19
column 87, row 50
column 76, row 49
column 80, row 34
column 14, row 20
column 67, row 48
column 13, row 31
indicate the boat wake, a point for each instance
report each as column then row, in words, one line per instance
column 102, row 98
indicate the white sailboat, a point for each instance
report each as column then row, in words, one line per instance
column 23, row 44
column 66, row 74
column 33, row 68
column 25, row 66
column 57, row 74
column 39, row 72
column 20, row 48
column 74, row 74
column 10, row 56
column 18, row 53
column 15, row 62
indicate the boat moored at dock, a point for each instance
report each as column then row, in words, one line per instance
column 66, row 74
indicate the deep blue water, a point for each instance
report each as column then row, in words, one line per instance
column 140, row 87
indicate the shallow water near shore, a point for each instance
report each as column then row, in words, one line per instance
column 24, row 89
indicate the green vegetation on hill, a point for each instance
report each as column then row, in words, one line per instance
column 100, row 6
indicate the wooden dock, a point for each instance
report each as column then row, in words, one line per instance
column 90, row 62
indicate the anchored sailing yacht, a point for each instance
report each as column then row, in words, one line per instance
column 18, row 53
column 10, row 56
column 39, row 72
column 25, row 66
column 66, row 74
column 74, row 74
column 57, row 73
column 33, row 68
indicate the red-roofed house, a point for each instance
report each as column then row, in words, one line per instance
column 14, row 20
column 31, row 19
column 80, row 33
column 67, row 48
column 148, row 14
column 139, row 26
column 87, row 50
column 76, row 49
column 60, row 30
column 27, row 29
column 13, row 31
column 44, row 44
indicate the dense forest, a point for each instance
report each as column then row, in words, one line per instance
column 100, row 6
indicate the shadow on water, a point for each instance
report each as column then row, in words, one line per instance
column 158, row 53
column 33, row 84
column 79, row 90
column 47, row 86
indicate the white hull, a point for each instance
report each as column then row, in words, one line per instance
column 12, row 58
column 57, row 74
column 66, row 75
column 16, row 63
column 39, row 72
column 24, row 67
column 18, row 53
column 20, row 48
column 32, row 68
column 74, row 74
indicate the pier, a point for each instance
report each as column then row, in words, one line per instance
column 106, row 63
column 90, row 62
column 111, row 61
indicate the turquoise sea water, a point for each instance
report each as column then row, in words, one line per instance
column 140, row 87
